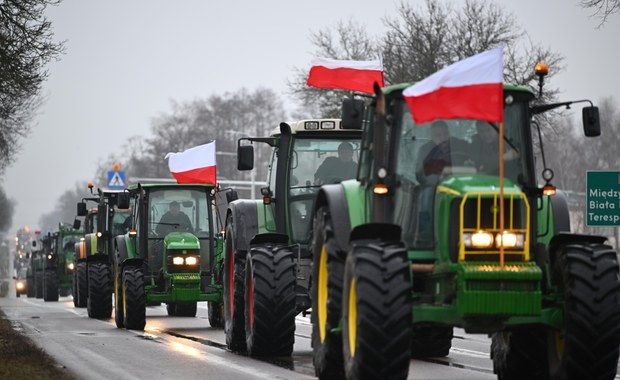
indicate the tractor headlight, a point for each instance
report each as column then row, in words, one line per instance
column 177, row 260
column 509, row 240
column 49, row 257
column 70, row 266
column 191, row 260
column 478, row 239
column 19, row 285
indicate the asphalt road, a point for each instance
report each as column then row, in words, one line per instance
column 183, row 348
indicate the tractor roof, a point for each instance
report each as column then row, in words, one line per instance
column 395, row 88
column 167, row 185
column 311, row 126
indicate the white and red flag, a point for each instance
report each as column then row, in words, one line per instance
column 468, row 89
column 195, row 165
column 345, row 74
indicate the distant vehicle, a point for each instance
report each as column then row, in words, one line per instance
column 21, row 286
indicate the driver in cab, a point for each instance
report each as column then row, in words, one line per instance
column 336, row 169
column 174, row 220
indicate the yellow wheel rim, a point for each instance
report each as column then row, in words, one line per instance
column 352, row 321
column 322, row 296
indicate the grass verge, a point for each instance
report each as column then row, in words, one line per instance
column 21, row 359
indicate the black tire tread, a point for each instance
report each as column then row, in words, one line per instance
column 234, row 325
column 50, row 285
column 99, row 302
column 135, row 299
column 82, row 284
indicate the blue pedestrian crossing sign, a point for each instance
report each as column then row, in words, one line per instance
column 116, row 180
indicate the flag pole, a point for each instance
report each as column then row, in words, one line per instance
column 501, row 193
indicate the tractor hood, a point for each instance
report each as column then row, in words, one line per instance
column 181, row 240
column 476, row 184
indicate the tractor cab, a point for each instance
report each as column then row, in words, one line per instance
column 173, row 229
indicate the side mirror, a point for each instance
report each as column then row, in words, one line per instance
column 81, row 209
column 591, row 121
column 245, row 157
column 123, row 200
column 34, row 243
column 77, row 224
column 352, row 113
column 231, row 196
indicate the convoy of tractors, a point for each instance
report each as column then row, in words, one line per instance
column 357, row 228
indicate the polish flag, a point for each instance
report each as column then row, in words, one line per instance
column 195, row 165
column 345, row 75
column 468, row 89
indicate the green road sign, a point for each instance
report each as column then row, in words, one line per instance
column 603, row 198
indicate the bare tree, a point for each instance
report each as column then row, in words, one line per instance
column 26, row 46
column 602, row 8
column 420, row 41
column 65, row 209
column 6, row 215
column 346, row 40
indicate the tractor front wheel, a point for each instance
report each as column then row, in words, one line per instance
column 187, row 309
column 431, row 341
column 327, row 272
column 270, row 301
column 119, row 317
column 99, row 303
column 520, row 353
column 81, row 276
column 50, row 285
column 216, row 314
column 588, row 345
column 234, row 280
column 171, row 309
column 38, row 284
column 376, row 334
column 30, row 287
column 134, row 299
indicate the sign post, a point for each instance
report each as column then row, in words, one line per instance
column 116, row 178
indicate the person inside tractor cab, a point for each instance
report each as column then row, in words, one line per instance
column 174, row 220
column 336, row 169
column 439, row 153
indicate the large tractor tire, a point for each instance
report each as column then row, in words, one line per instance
column 588, row 345
column 327, row 274
column 270, row 301
column 171, row 308
column 119, row 317
column 431, row 341
column 30, row 288
column 74, row 287
column 81, row 276
column 376, row 333
column 216, row 314
column 50, row 285
column 38, row 284
column 99, row 303
column 134, row 299
column 520, row 353
column 187, row 309
column 234, row 292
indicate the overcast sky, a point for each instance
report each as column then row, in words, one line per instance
column 126, row 61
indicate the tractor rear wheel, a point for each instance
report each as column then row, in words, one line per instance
column 187, row 309
column 431, row 341
column 520, row 353
column 74, row 288
column 99, row 303
column 270, row 300
column 327, row 275
column 30, row 287
column 82, row 284
column 376, row 333
column 588, row 345
column 234, row 280
column 38, row 284
column 50, row 285
column 134, row 299
column 216, row 314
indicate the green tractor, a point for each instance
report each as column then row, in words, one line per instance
column 412, row 249
column 170, row 254
column 94, row 254
column 57, row 255
column 267, row 262
column 80, row 272
column 36, row 261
